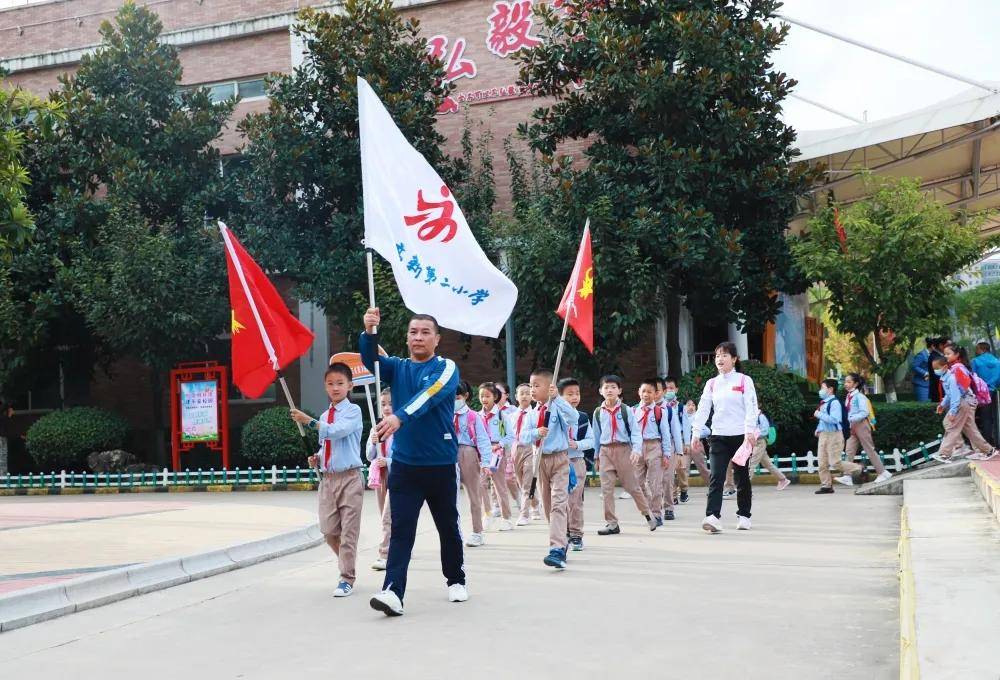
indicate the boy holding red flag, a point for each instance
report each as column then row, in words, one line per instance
column 341, row 489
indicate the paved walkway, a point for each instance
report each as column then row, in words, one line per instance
column 810, row 592
column 49, row 539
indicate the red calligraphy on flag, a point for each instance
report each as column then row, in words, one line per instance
column 455, row 65
column 510, row 28
column 432, row 227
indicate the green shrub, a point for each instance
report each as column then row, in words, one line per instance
column 64, row 439
column 905, row 424
column 271, row 438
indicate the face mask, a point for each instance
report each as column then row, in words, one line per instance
column 459, row 404
column 669, row 396
column 939, row 372
column 822, row 394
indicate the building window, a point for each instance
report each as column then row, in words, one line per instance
column 247, row 90
column 252, row 89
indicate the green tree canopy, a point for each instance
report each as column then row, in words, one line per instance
column 19, row 111
column 893, row 275
column 978, row 310
column 301, row 197
column 679, row 104
column 120, row 260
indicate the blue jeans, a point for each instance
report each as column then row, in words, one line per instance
column 922, row 390
column 409, row 487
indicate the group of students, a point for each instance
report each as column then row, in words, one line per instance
column 513, row 455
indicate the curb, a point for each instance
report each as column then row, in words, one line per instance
column 909, row 660
column 41, row 603
column 988, row 487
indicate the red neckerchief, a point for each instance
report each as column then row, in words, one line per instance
column 541, row 422
column 331, row 416
column 645, row 419
column 614, row 421
column 520, row 421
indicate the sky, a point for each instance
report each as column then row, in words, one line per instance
column 957, row 36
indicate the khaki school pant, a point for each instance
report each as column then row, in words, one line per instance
column 649, row 474
column 861, row 436
column 553, row 482
column 615, row 464
column 829, row 447
column 523, row 462
column 339, row 498
column 470, row 473
column 575, row 521
column 964, row 422
column 495, row 487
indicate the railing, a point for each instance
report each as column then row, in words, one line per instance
column 273, row 476
column 897, row 461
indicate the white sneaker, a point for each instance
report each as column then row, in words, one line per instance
column 846, row 480
column 378, row 565
column 504, row 525
column 475, row 540
column 496, row 511
column 624, row 495
column 536, row 515
column 387, row 602
column 712, row 524
column 343, row 589
column 457, row 593
column 742, row 523
column 523, row 521
column 885, row 476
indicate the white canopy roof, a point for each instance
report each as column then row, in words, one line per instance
column 952, row 146
column 969, row 106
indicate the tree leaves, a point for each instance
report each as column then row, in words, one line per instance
column 680, row 108
column 896, row 276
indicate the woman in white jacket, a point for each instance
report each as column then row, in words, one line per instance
column 731, row 400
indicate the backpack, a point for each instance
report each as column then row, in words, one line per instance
column 845, row 424
column 628, row 428
column 470, row 421
column 982, row 391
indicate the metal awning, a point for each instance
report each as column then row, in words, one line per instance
column 952, row 146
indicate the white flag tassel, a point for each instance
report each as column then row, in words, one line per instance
column 413, row 220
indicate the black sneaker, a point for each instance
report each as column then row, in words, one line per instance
column 824, row 489
column 685, row 497
column 609, row 530
column 659, row 521
column 668, row 515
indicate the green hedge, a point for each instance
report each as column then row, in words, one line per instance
column 905, row 424
column 64, row 439
column 271, row 438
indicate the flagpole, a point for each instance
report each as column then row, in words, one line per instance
column 260, row 326
column 555, row 372
column 371, row 303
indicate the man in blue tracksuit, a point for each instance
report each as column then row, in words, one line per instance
column 921, row 368
column 424, row 454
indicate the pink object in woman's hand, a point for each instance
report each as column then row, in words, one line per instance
column 742, row 454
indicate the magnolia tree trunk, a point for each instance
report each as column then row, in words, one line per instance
column 889, row 380
column 673, row 335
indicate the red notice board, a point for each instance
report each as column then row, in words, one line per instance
column 199, row 409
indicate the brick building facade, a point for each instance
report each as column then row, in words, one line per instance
column 230, row 46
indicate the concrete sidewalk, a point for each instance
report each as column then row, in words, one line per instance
column 809, row 593
column 47, row 539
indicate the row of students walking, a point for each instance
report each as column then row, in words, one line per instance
column 527, row 461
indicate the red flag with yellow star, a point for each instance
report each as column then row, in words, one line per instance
column 578, row 298
column 266, row 336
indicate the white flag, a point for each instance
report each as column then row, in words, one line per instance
column 413, row 220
